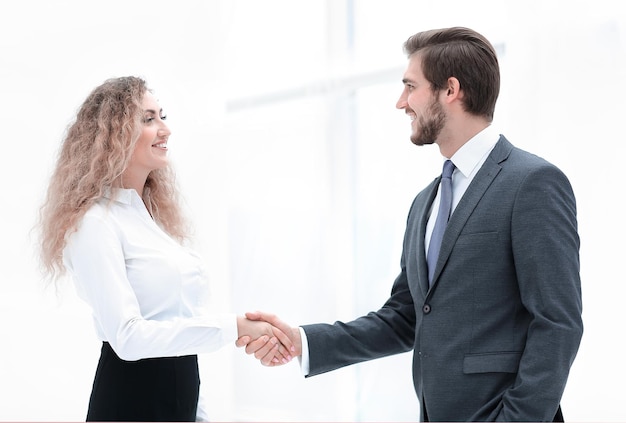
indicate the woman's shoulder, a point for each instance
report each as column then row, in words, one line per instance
column 111, row 202
column 104, row 211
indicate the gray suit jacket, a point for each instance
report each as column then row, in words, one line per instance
column 495, row 336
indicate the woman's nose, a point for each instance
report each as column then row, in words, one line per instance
column 164, row 131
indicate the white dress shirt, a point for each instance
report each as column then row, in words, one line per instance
column 148, row 293
column 468, row 160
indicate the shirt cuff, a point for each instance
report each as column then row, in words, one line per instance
column 228, row 323
column 304, row 358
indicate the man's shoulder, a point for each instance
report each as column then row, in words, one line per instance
column 509, row 154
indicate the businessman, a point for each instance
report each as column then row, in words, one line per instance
column 488, row 296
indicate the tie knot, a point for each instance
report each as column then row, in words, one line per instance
column 448, row 168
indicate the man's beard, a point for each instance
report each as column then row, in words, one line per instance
column 429, row 128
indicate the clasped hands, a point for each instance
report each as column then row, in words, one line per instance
column 272, row 341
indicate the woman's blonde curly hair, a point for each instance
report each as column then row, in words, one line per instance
column 95, row 152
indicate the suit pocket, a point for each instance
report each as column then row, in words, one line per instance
column 506, row 362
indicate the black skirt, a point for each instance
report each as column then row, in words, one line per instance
column 154, row 389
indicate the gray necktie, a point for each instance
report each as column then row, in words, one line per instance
column 445, row 205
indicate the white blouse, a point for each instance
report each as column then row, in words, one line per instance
column 147, row 292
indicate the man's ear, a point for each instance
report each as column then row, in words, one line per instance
column 453, row 91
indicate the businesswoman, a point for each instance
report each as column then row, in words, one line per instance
column 112, row 221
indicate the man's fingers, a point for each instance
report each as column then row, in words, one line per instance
column 253, row 315
column 271, row 358
column 285, row 340
column 260, row 315
column 257, row 344
column 263, row 351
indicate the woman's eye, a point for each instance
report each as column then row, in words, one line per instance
column 150, row 118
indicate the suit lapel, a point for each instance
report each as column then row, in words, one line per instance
column 475, row 191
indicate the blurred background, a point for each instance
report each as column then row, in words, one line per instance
column 298, row 173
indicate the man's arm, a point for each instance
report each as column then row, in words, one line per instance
column 388, row 331
column 545, row 246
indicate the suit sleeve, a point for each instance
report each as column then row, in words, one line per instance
column 388, row 331
column 545, row 246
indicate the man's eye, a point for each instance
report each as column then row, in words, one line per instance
column 164, row 117
column 148, row 119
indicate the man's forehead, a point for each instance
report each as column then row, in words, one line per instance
column 414, row 69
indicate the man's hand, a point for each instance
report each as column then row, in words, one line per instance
column 263, row 348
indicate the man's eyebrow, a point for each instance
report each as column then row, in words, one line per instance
column 153, row 111
column 406, row 80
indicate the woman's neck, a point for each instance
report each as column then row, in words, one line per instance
column 134, row 180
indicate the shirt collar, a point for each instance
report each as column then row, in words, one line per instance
column 473, row 151
column 121, row 195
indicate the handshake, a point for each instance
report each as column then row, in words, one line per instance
column 271, row 340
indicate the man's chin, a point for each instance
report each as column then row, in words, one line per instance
column 420, row 141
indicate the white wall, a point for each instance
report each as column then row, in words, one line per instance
column 300, row 201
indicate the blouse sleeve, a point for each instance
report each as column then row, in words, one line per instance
column 95, row 258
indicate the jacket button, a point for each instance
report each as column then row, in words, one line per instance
column 426, row 309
